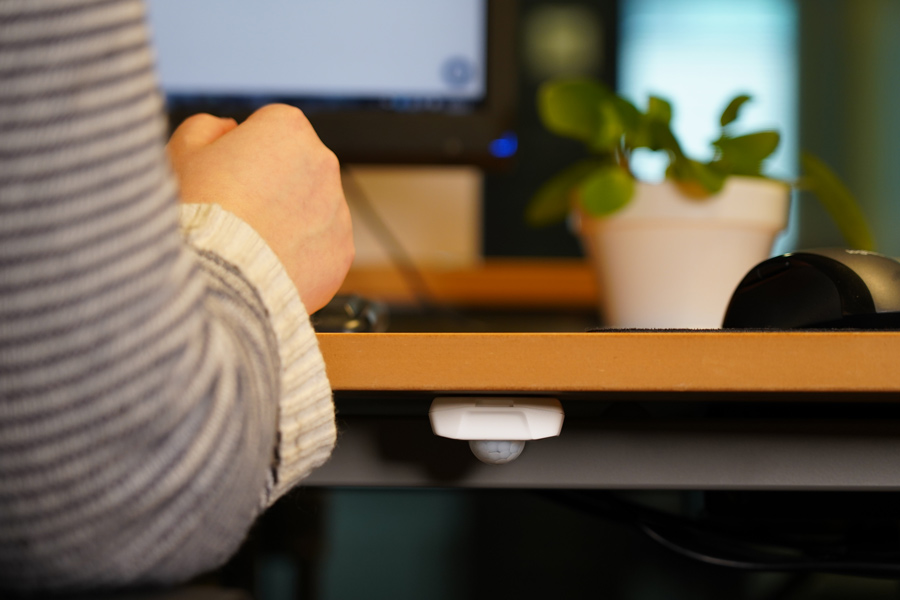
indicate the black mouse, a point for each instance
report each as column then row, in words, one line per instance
column 827, row 288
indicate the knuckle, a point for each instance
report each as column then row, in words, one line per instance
column 199, row 122
column 289, row 116
column 199, row 119
column 330, row 161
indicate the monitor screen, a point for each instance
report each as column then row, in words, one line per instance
column 399, row 81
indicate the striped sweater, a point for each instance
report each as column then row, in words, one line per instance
column 159, row 387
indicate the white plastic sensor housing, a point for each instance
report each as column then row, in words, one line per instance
column 496, row 418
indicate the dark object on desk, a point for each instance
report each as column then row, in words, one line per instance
column 350, row 313
column 821, row 289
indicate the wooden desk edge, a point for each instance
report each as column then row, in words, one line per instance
column 671, row 361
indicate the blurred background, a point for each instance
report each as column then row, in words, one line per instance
column 823, row 72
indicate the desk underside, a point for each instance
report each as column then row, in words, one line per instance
column 793, row 410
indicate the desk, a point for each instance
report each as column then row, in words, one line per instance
column 664, row 410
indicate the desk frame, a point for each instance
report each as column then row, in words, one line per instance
column 601, row 451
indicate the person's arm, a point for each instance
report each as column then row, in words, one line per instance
column 140, row 378
column 276, row 175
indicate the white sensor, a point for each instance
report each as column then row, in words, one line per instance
column 496, row 427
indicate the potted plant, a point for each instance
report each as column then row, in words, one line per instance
column 669, row 254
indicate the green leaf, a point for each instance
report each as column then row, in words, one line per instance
column 553, row 200
column 744, row 155
column 629, row 114
column 572, row 107
column 605, row 191
column 660, row 137
column 696, row 179
column 838, row 201
column 730, row 114
column 659, row 110
column 609, row 129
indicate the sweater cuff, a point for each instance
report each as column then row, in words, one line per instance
column 306, row 426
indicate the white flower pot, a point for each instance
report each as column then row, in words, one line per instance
column 668, row 261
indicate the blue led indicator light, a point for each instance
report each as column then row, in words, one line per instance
column 504, row 146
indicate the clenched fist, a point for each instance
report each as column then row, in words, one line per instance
column 274, row 173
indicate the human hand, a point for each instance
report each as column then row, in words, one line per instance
column 274, row 173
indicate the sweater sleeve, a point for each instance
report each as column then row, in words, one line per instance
column 140, row 376
column 228, row 247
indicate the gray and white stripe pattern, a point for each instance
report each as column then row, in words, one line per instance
column 138, row 379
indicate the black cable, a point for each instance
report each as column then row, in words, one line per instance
column 650, row 522
column 400, row 256
column 395, row 249
column 844, row 567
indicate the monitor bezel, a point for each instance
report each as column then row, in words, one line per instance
column 371, row 136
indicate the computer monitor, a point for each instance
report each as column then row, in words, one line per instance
column 394, row 81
